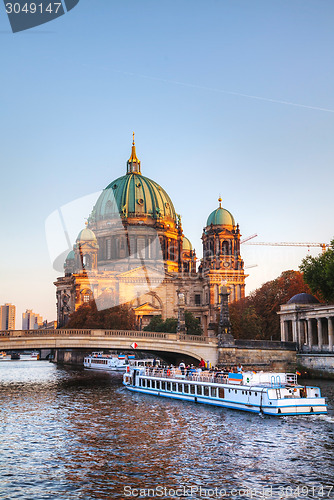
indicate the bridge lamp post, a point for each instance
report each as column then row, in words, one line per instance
column 181, row 321
column 224, row 327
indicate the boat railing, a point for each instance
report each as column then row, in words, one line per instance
column 176, row 373
column 291, row 378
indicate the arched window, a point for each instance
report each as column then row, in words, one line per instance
column 86, row 261
column 225, row 248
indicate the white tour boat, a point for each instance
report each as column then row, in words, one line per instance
column 268, row 393
column 100, row 361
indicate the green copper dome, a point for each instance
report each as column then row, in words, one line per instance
column 71, row 255
column 133, row 195
column 220, row 217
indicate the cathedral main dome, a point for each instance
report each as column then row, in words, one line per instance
column 134, row 195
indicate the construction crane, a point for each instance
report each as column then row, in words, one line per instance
column 323, row 246
column 248, row 238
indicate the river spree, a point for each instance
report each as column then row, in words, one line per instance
column 75, row 434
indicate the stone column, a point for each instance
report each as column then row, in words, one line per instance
column 319, row 327
column 294, row 330
column 305, row 336
column 330, row 333
column 283, row 331
column 299, row 334
column 309, row 333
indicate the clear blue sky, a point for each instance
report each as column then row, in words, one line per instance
column 227, row 97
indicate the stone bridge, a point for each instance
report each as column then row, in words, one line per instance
column 172, row 345
column 70, row 346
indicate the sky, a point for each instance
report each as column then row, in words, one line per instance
column 230, row 98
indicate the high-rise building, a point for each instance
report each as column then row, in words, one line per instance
column 7, row 317
column 31, row 321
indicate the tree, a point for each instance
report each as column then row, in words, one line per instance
column 170, row 325
column 157, row 324
column 193, row 324
column 255, row 316
column 319, row 274
column 87, row 315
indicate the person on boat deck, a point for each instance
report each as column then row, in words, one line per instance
column 202, row 363
column 240, row 368
column 187, row 370
column 182, row 367
column 154, row 362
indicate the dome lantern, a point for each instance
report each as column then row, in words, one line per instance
column 133, row 164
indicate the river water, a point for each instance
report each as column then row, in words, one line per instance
column 76, row 434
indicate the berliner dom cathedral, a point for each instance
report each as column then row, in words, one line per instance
column 133, row 250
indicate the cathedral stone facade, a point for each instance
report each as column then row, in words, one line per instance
column 133, row 250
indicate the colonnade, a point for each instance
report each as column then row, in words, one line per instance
column 311, row 333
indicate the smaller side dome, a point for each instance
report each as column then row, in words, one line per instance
column 303, row 298
column 71, row 255
column 86, row 235
column 186, row 245
column 220, row 217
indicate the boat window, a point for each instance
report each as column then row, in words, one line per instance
column 206, row 391
column 235, row 391
column 163, row 386
column 243, row 392
column 169, row 386
column 144, row 382
column 221, row 392
column 173, row 386
column 213, row 392
column 192, row 389
column 256, row 394
column 186, row 388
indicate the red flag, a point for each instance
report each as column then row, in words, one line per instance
column 134, row 345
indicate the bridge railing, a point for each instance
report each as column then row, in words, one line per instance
column 133, row 334
column 43, row 333
column 130, row 333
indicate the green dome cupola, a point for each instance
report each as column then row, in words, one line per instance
column 220, row 217
column 133, row 195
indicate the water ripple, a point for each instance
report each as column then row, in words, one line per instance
column 72, row 434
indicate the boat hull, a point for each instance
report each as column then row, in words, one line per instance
column 265, row 399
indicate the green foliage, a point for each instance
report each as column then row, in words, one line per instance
column 87, row 315
column 170, row 325
column 158, row 325
column 255, row 316
column 193, row 324
column 319, row 274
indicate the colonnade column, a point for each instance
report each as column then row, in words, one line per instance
column 299, row 333
column 319, row 327
column 294, row 330
column 330, row 333
column 309, row 333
